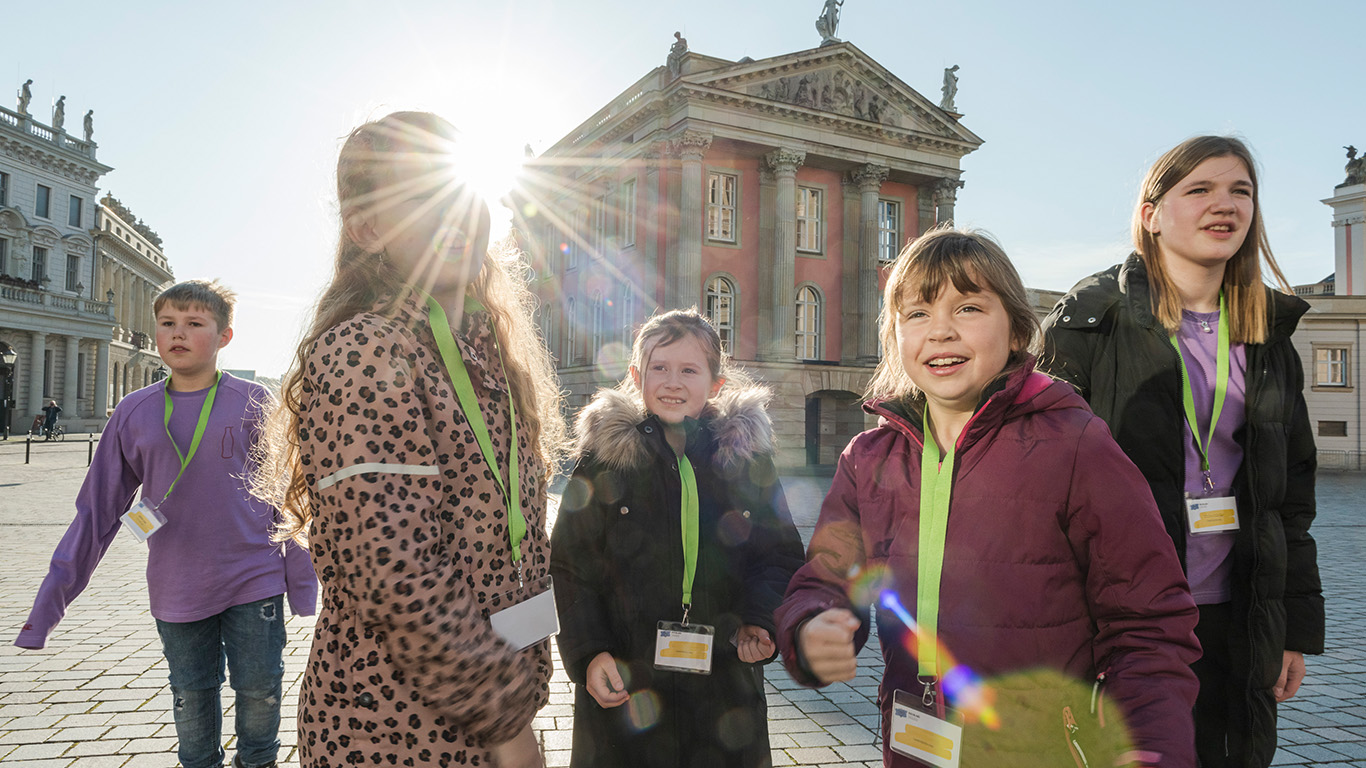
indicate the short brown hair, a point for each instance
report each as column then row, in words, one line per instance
column 1243, row 288
column 972, row 261
column 212, row 295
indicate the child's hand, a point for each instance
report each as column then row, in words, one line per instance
column 522, row 751
column 604, row 682
column 826, row 644
column 754, row 644
column 1292, row 674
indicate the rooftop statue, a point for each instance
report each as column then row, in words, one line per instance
column 1356, row 167
column 59, row 114
column 950, row 89
column 25, row 96
column 829, row 21
column 676, row 53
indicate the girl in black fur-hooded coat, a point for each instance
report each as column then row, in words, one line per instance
column 618, row 558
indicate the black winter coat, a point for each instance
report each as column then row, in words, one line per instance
column 1103, row 338
column 617, row 561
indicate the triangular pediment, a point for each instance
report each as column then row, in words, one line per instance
column 837, row 80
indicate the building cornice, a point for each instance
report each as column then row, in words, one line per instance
column 78, row 169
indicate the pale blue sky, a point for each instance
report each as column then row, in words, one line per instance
column 223, row 120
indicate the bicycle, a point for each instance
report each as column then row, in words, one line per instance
column 36, row 431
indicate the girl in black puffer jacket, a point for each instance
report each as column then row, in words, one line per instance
column 1186, row 326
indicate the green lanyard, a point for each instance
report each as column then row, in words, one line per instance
column 936, row 485
column 469, row 404
column 1221, row 376
column 690, row 514
column 199, row 428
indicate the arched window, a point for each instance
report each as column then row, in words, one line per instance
column 596, row 326
column 808, row 323
column 720, row 310
column 569, row 332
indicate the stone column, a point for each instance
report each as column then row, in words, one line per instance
column 869, row 179
column 101, row 378
column 35, row 379
column 70, row 386
column 653, row 219
column 763, row 303
column 945, row 195
column 781, row 344
column 686, row 281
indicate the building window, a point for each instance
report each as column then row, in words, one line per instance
column 888, row 229
column 4, row 256
column 721, row 311
column 596, row 326
column 4, row 189
column 628, row 213
column 628, row 316
column 808, row 323
column 808, row 219
column 73, row 212
column 39, row 264
column 1332, row 429
column 1330, row 367
column 42, row 201
column 569, row 324
column 600, row 226
column 73, row 272
column 575, row 242
column 721, row 206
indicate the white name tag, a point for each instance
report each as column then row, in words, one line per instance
column 684, row 647
column 530, row 621
column 1211, row 515
column 922, row 736
column 143, row 520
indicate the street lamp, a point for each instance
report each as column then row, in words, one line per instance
column 8, row 357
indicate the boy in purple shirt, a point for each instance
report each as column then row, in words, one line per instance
column 215, row 579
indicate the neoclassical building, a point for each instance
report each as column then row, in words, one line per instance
column 770, row 194
column 72, row 297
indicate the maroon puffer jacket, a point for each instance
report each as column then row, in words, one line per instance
column 1056, row 567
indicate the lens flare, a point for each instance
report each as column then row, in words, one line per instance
column 643, row 710
column 963, row 688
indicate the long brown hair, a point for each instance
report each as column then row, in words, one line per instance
column 1244, row 292
column 971, row 261
column 362, row 281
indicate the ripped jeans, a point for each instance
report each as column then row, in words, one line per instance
column 251, row 638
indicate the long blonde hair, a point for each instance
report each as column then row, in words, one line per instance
column 362, row 281
column 1244, row 291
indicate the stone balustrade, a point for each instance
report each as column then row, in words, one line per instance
column 27, row 124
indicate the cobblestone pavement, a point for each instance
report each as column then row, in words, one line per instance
column 98, row 696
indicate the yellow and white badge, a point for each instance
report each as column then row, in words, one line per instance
column 1212, row 515
column 530, row 621
column 143, row 520
column 684, row 647
column 922, row 736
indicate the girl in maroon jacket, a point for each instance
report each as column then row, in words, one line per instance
column 1021, row 573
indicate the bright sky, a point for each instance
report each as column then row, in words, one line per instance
column 223, row 121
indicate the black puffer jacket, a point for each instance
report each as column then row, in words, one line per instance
column 617, row 560
column 1104, row 339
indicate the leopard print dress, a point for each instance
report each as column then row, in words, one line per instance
column 410, row 543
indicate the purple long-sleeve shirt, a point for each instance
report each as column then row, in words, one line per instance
column 215, row 550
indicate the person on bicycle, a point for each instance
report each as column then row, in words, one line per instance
column 52, row 411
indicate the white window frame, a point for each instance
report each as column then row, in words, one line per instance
column 46, row 200
column 721, row 212
column 1331, row 366
column 628, row 213
column 75, row 210
column 39, row 258
column 889, row 218
column 73, row 272
column 810, row 229
column 721, row 291
column 808, row 339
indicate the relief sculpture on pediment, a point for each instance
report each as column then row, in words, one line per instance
column 830, row 90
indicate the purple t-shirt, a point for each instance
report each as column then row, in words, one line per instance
column 1208, row 561
column 215, row 550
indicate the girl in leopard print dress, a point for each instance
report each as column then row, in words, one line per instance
column 404, row 504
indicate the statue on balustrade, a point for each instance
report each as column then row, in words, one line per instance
column 25, row 96
column 89, row 124
column 829, row 21
column 59, row 114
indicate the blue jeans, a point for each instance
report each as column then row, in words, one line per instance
column 251, row 638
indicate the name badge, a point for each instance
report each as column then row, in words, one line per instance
column 1212, row 515
column 684, row 647
column 143, row 520
column 922, row 736
column 530, row 621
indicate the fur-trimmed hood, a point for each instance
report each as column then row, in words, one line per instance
column 736, row 420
